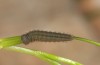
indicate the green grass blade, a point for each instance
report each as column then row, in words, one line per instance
column 10, row 41
column 87, row 40
column 44, row 56
column 34, row 53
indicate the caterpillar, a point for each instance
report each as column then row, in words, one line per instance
column 45, row 36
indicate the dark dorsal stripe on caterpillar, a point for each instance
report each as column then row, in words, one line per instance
column 45, row 37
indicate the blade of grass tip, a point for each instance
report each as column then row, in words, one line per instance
column 60, row 59
column 32, row 52
column 86, row 40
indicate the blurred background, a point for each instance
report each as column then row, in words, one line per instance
column 20, row 16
